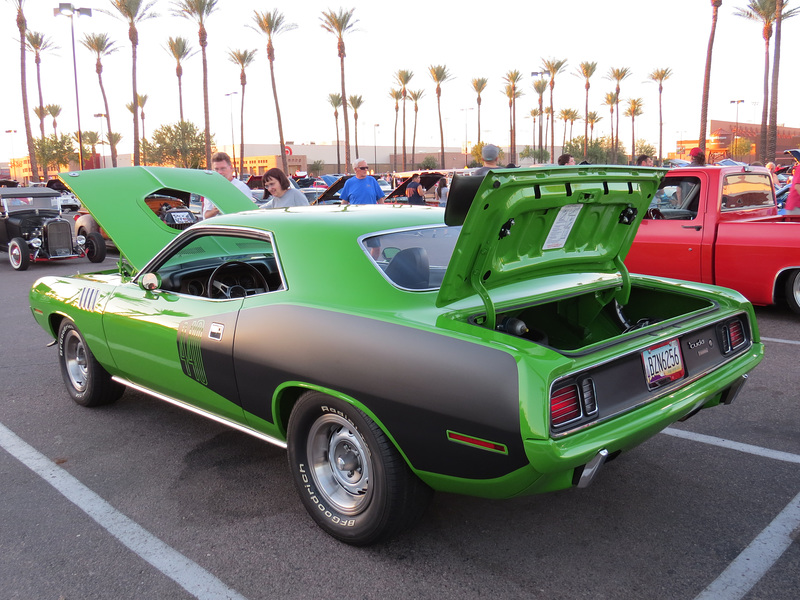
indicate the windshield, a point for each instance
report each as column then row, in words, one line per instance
column 18, row 204
column 413, row 259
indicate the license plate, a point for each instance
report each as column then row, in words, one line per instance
column 662, row 364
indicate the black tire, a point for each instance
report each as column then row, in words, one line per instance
column 351, row 479
column 793, row 291
column 95, row 247
column 88, row 383
column 19, row 255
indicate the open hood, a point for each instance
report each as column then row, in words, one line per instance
column 116, row 200
column 427, row 179
column 520, row 224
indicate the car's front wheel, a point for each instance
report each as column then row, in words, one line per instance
column 351, row 479
column 18, row 254
column 88, row 383
column 95, row 247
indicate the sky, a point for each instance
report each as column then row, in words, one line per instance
column 472, row 39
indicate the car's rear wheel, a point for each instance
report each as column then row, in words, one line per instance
column 350, row 477
column 88, row 383
column 95, row 247
column 18, row 254
column 793, row 291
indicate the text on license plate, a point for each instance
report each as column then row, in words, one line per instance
column 662, row 364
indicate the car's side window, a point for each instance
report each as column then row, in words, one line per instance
column 223, row 266
column 677, row 198
column 747, row 190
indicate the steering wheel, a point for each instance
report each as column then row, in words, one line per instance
column 652, row 213
column 217, row 289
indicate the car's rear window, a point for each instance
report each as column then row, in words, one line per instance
column 747, row 190
column 413, row 259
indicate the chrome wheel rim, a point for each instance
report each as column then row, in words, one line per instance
column 75, row 361
column 796, row 290
column 340, row 464
column 15, row 255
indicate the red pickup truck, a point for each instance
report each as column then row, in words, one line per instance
column 720, row 225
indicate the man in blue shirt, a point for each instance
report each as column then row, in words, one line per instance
column 361, row 189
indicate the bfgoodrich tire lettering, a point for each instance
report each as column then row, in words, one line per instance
column 88, row 383
column 350, row 478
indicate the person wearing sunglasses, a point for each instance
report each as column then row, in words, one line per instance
column 363, row 188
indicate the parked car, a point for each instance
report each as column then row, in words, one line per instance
column 67, row 201
column 494, row 348
column 32, row 229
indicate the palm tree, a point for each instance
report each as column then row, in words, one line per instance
column 133, row 12
column 244, row 59
column 548, row 113
column 611, row 100
column 395, row 95
column 586, row 70
column 634, row 110
column 439, row 74
column 335, row 101
column 540, row 87
column 92, row 139
column 37, row 43
column 141, row 100
column 402, row 77
column 338, row 24
column 479, row 84
column 512, row 94
column 355, row 104
column 574, row 115
column 617, row 74
column 199, row 11
column 592, row 118
column 54, row 110
column 535, row 114
column 415, row 96
column 553, row 67
column 101, row 45
column 715, row 4
column 660, row 76
column 180, row 50
column 772, row 133
column 512, row 78
column 22, row 25
column 273, row 24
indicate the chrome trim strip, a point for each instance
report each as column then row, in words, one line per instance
column 203, row 413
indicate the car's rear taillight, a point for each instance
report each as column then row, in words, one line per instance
column 572, row 402
column 732, row 335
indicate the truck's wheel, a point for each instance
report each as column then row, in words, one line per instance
column 18, row 254
column 793, row 291
column 88, row 383
column 350, row 477
column 95, row 247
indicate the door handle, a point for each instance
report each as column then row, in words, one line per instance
column 695, row 227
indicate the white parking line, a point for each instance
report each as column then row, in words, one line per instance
column 186, row 573
column 757, row 559
column 780, row 341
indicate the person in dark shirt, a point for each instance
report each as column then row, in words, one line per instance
column 414, row 191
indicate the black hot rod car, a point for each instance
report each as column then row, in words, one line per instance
column 32, row 229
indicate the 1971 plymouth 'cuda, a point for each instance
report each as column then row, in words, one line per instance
column 497, row 349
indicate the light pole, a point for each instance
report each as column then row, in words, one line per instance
column 233, row 138
column 375, row 145
column 68, row 10
column 101, row 116
column 466, row 111
column 736, row 129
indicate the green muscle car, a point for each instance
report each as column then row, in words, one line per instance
column 495, row 348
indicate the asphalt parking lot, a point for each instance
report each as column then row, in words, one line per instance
column 142, row 500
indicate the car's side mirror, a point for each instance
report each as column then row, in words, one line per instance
column 150, row 281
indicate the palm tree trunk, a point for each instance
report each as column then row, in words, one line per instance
column 414, row 141
column 633, row 141
column 762, row 146
column 21, row 25
column 479, row 121
column 396, row 117
column 701, row 138
column 99, row 70
column 586, row 125
column 441, row 125
column 541, row 118
column 552, row 126
column 280, row 123
column 41, row 100
column 180, row 97
column 404, row 132
column 660, row 127
column 344, row 114
column 241, row 136
column 206, row 112
column 338, row 144
column 135, row 102
column 772, row 133
column 355, row 132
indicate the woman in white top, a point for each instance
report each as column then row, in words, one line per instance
column 283, row 194
column 441, row 191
